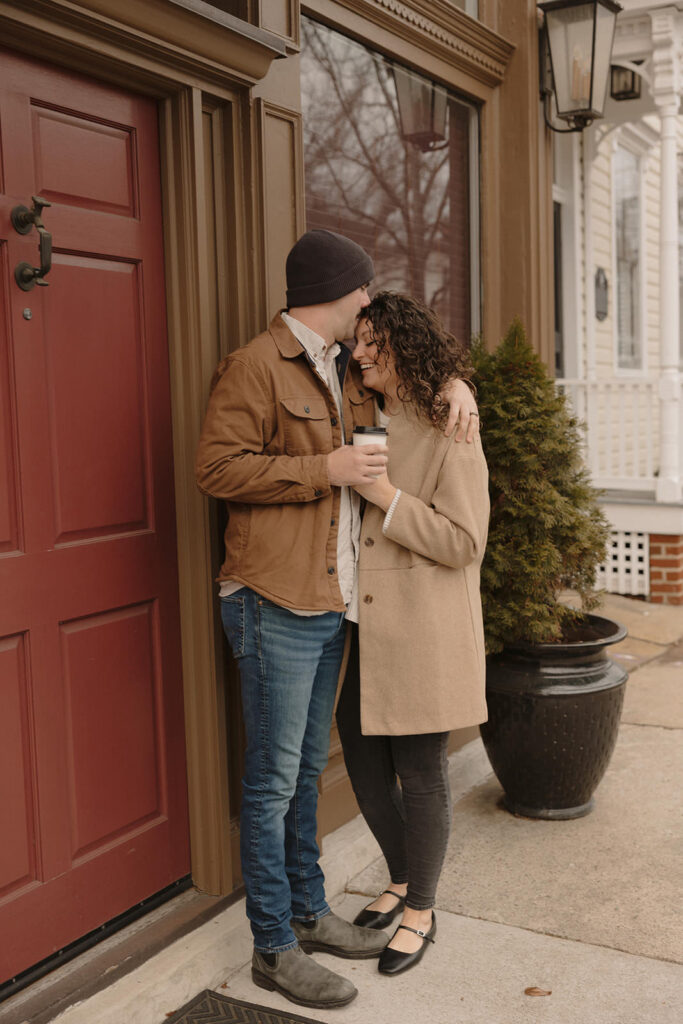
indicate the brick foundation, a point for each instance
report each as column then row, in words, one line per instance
column 666, row 568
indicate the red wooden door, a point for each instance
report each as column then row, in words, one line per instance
column 93, row 803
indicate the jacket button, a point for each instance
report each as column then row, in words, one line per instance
column 333, row 421
column 307, row 408
column 317, row 493
column 369, row 542
column 333, row 522
column 330, row 571
column 361, row 392
column 368, row 598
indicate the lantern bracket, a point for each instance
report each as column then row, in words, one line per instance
column 546, row 96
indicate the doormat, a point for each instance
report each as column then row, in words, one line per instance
column 211, row 1008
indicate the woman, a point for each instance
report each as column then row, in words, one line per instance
column 421, row 643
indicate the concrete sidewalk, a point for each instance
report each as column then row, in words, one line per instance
column 588, row 910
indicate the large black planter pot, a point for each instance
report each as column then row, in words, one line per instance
column 554, row 713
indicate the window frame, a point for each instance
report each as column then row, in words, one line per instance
column 566, row 191
column 680, row 257
column 476, row 291
column 475, row 221
column 630, row 143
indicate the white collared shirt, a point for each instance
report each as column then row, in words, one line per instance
column 348, row 536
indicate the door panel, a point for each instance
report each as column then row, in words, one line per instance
column 17, row 850
column 83, row 162
column 112, row 794
column 93, row 802
column 90, row 424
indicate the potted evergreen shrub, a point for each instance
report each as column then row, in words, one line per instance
column 553, row 695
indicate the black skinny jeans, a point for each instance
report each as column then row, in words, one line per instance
column 412, row 822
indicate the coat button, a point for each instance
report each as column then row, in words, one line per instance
column 333, row 421
column 369, row 542
column 368, row 598
column 330, row 571
column 361, row 392
column 307, row 408
column 332, row 522
column 317, row 493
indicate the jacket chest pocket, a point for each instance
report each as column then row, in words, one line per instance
column 306, row 424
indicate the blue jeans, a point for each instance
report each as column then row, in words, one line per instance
column 289, row 667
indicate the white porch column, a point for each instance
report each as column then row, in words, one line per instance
column 665, row 88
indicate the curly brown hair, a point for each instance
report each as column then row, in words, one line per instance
column 425, row 354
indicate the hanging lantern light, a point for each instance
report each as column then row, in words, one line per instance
column 422, row 109
column 579, row 37
column 625, row 82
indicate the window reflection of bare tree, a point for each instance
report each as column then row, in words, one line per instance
column 364, row 180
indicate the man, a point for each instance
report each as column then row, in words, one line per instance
column 276, row 446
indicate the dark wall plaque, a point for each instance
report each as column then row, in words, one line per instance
column 601, row 294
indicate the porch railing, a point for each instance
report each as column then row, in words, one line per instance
column 620, row 420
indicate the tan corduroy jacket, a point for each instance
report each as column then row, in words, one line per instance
column 420, row 623
column 269, row 427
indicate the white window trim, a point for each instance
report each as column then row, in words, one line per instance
column 567, row 192
column 680, row 251
column 630, row 138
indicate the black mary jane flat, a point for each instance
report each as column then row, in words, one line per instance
column 393, row 961
column 378, row 919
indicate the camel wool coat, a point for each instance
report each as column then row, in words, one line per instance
column 422, row 666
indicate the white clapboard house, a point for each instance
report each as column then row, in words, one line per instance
column 618, row 226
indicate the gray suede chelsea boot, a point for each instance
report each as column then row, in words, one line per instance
column 332, row 934
column 301, row 980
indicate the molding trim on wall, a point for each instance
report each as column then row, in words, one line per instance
column 291, row 10
column 439, row 29
column 280, row 224
column 639, row 136
column 666, row 71
column 632, row 36
column 160, row 40
column 192, row 351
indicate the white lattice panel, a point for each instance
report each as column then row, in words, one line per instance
column 626, row 569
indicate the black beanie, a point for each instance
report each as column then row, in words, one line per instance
column 323, row 266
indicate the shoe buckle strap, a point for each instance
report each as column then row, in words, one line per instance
column 417, row 931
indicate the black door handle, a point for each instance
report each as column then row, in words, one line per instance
column 23, row 220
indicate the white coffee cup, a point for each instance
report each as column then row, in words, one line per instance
column 369, row 435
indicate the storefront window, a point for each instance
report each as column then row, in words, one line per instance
column 413, row 208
